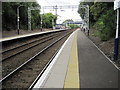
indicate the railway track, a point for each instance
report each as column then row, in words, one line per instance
column 7, row 46
column 24, row 44
column 10, row 52
column 13, row 59
column 32, row 65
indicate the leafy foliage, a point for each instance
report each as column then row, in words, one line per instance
column 73, row 26
column 102, row 18
column 9, row 15
column 35, row 19
column 67, row 21
column 48, row 19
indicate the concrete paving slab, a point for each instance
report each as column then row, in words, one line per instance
column 57, row 74
column 95, row 69
column 72, row 76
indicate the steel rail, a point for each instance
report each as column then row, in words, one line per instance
column 26, row 49
column 25, row 44
column 18, row 68
column 35, row 81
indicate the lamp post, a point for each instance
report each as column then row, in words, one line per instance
column 18, row 20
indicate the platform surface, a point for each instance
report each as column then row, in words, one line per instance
column 27, row 35
column 95, row 70
column 60, row 71
column 79, row 64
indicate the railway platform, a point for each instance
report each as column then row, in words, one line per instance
column 27, row 35
column 80, row 64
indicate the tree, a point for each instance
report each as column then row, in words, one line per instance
column 48, row 19
column 68, row 21
column 9, row 14
column 102, row 18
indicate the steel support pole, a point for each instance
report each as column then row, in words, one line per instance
column 18, row 20
column 88, row 20
column 29, row 18
column 56, row 10
column 41, row 22
column 116, row 42
column 52, row 23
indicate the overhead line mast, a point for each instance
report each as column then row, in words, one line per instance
column 56, row 7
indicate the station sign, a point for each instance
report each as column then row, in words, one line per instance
column 116, row 4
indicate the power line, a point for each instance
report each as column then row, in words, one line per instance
column 48, row 2
column 61, row 7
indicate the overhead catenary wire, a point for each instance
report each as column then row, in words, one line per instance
column 48, row 3
column 49, row 6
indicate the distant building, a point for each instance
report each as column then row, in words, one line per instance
column 59, row 26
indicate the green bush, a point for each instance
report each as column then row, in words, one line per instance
column 73, row 26
column 102, row 18
column 105, row 25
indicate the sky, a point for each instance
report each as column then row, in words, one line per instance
column 63, row 14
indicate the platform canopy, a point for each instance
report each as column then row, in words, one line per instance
column 116, row 4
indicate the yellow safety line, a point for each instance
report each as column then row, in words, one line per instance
column 72, row 77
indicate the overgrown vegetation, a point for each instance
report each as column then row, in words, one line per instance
column 49, row 20
column 9, row 16
column 102, row 18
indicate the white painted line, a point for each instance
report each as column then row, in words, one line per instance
column 27, row 35
column 45, row 74
column 105, row 55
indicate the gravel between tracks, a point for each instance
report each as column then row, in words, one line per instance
column 13, row 62
column 26, row 76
